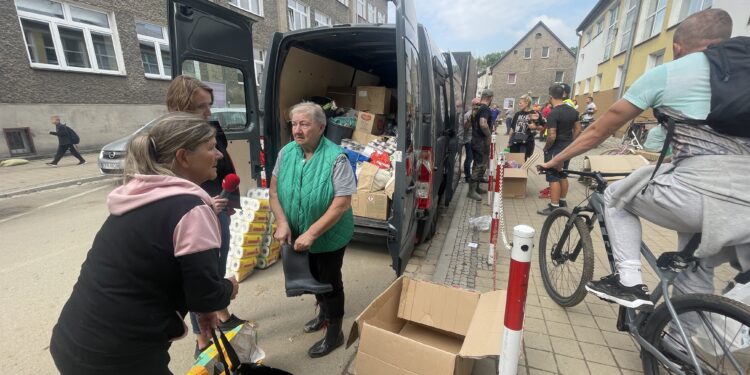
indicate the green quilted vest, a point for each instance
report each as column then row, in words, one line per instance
column 305, row 191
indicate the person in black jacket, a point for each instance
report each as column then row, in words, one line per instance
column 64, row 142
column 188, row 94
column 524, row 123
column 153, row 260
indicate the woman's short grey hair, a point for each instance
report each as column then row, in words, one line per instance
column 153, row 152
column 314, row 111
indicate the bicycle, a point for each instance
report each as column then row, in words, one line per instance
column 631, row 141
column 566, row 258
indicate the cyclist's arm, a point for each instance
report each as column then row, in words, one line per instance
column 617, row 115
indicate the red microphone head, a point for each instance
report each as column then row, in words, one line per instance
column 230, row 182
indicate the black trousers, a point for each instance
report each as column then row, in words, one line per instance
column 326, row 268
column 61, row 151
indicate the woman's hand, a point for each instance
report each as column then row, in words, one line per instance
column 219, row 204
column 283, row 234
column 235, row 287
column 207, row 322
column 304, row 242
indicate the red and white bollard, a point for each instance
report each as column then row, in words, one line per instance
column 492, row 162
column 496, row 203
column 518, row 283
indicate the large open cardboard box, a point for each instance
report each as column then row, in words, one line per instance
column 418, row 328
column 373, row 99
column 514, row 179
column 614, row 164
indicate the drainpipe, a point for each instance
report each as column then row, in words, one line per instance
column 575, row 67
column 626, row 64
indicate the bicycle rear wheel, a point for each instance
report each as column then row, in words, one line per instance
column 565, row 267
column 718, row 329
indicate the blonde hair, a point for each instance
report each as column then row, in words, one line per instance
column 181, row 91
column 153, row 152
column 311, row 109
column 527, row 98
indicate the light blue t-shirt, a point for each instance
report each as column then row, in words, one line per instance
column 682, row 89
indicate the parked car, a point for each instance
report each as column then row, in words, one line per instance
column 112, row 156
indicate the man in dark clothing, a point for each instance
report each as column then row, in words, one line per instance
column 65, row 142
column 481, row 118
column 562, row 128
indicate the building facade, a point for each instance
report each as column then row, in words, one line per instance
column 621, row 40
column 104, row 66
column 531, row 66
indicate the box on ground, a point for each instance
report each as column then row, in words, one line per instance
column 614, row 164
column 416, row 327
column 514, row 179
column 343, row 96
column 373, row 99
column 370, row 205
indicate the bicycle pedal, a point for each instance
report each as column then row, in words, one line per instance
column 675, row 260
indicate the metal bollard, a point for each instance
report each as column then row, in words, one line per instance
column 492, row 163
column 518, row 283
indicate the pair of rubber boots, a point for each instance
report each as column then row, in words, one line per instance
column 297, row 277
column 475, row 191
column 334, row 335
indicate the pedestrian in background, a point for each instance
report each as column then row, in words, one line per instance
column 481, row 118
column 495, row 115
column 467, row 139
column 311, row 198
column 67, row 139
column 509, row 113
column 153, row 260
column 188, row 94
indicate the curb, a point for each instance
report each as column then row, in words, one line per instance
column 57, row 184
column 444, row 259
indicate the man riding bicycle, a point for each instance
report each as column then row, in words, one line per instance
column 704, row 189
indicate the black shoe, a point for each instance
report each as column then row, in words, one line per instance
column 610, row 289
column 547, row 210
column 317, row 323
column 231, row 323
column 563, row 203
column 334, row 338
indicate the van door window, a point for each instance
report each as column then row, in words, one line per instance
column 228, row 107
column 412, row 108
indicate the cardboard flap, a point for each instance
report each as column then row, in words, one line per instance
column 437, row 306
column 486, row 331
column 381, row 311
column 614, row 164
column 515, row 173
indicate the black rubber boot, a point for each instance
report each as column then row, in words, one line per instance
column 480, row 190
column 333, row 339
column 317, row 323
column 297, row 277
column 472, row 193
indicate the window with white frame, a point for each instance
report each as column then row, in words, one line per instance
column 511, row 78
column 588, row 37
column 578, row 88
column 655, row 59
column 628, row 25
column 611, row 31
column 381, row 17
column 154, row 46
column 345, row 2
column 252, row 6
column 66, row 37
column 655, row 11
column 322, row 19
column 599, row 26
column 527, row 53
column 618, row 76
column 598, row 82
column 587, row 85
column 259, row 58
column 545, row 52
column 689, row 7
column 559, row 76
column 371, row 17
column 361, row 9
column 299, row 15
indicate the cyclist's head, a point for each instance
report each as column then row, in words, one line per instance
column 700, row 30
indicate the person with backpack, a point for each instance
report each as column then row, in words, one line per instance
column 67, row 139
column 481, row 118
column 703, row 93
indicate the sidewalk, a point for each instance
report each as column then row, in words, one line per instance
column 36, row 175
column 577, row 340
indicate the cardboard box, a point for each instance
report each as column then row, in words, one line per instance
column 373, row 99
column 417, row 327
column 518, row 157
column 370, row 205
column 614, row 164
column 370, row 123
column 514, row 182
column 371, row 178
column 343, row 96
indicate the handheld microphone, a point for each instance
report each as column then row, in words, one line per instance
column 230, row 183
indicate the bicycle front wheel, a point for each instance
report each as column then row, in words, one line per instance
column 718, row 329
column 566, row 266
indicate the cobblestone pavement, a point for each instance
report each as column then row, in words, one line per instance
column 579, row 340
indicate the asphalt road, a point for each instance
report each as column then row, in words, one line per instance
column 44, row 238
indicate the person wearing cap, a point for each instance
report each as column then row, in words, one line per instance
column 562, row 128
column 481, row 119
column 566, row 95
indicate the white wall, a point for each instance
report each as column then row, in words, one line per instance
column 592, row 54
column 740, row 12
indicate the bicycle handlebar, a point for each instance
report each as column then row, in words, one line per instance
column 601, row 183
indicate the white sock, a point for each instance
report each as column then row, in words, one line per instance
column 554, row 205
column 630, row 272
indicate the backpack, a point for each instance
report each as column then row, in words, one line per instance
column 74, row 138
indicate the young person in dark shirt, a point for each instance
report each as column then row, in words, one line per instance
column 525, row 123
column 153, row 260
column 562, row 128
column 481, row 120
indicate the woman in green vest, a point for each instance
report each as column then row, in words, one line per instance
column 311, row 191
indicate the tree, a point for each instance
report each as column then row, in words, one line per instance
column 574, row 50
column 488, row 60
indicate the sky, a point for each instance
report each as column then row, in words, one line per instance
column 485, row 26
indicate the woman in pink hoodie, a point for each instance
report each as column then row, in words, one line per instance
column 150, row 262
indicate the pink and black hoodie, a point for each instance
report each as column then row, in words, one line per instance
column 154, row 258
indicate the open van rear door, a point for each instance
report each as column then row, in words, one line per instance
column 215, row 45
column 403, row 220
